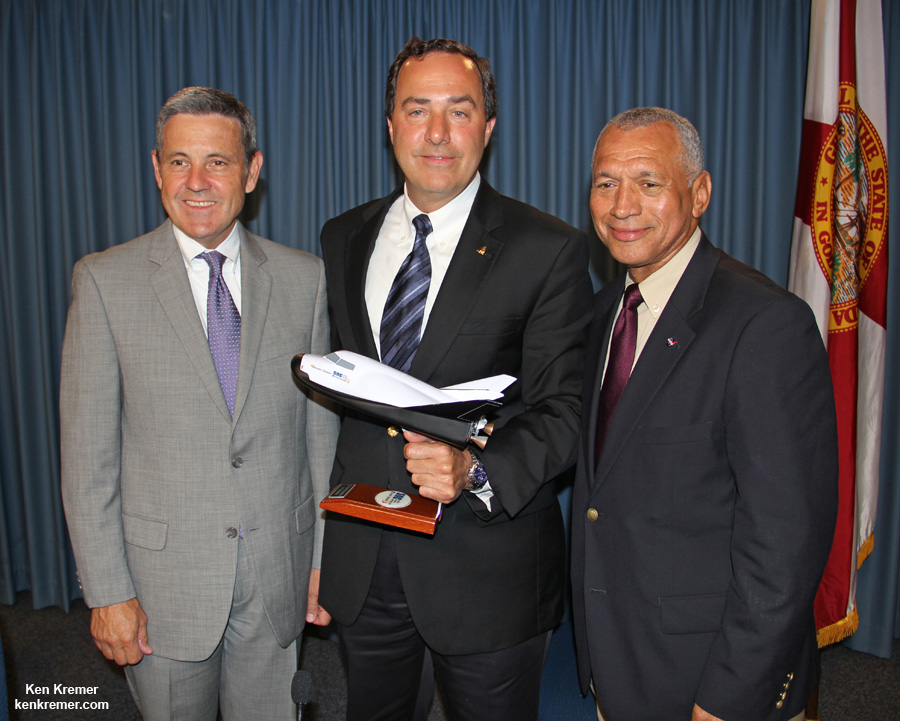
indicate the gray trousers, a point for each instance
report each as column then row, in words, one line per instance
column 248, row 676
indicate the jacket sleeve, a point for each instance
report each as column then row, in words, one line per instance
column 539, row 443
column 781, row 443
column 322, row 424
column 90, row 416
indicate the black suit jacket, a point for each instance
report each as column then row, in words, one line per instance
column 714, row 504
column 516, row 299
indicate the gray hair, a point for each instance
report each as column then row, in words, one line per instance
column 210, row 101
column 691, row 148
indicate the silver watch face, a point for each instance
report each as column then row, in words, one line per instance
column 477, row 475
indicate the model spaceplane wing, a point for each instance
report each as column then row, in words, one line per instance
column 455, row 414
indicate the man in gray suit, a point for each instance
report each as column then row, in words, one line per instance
column 192, row 466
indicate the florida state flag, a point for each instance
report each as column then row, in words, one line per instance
column 839, row 265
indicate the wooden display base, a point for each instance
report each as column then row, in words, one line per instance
column 381, row 505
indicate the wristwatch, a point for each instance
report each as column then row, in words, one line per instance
column 477, row 475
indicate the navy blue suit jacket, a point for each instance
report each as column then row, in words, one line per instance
column 713, row 504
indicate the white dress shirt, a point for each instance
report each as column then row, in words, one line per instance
column 198, row 270
column 395, row 241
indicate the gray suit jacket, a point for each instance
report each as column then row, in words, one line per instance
column 156, row 475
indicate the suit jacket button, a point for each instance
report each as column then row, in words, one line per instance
column 237, row 461
column 231, row 533
column 393, row 431
column 592, row 514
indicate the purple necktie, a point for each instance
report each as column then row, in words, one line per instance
column 401, row 322
column 618, row 368
column 223, row 326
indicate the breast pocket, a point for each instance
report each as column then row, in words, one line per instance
column 666, row 435
column 487, row 326
column 496, row 342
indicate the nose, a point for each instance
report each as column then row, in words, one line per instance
column 626, row 202
column 438, row 130
column 197, row 179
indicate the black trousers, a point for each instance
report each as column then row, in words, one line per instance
column 389, row 666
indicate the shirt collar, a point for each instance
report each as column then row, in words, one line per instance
column 657, row 288
column 190, row 248
column 459, row 207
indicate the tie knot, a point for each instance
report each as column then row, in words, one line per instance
column 632, row 297
column 422, row 225
column 215, row 260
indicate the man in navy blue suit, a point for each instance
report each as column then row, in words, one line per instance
column 706, row 493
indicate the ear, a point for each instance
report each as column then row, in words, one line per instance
column 155, row 159
column 256, row 163
column 391, row 130
column 488, row 129
column 700, row 194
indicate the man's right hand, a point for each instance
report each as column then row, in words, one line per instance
column 120, row 631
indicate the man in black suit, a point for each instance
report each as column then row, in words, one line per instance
column 706, row 493
column 508, row 291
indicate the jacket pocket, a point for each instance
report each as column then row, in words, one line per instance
column 651, row 435
column 145, row 532
column 487, row 325
column 692, row 614
column 305, row 515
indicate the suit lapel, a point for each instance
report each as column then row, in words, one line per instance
column 659, row 357
column 173, row 290
column 605, row 306
column 358, row 251
column 256, row 289
column 470, row 268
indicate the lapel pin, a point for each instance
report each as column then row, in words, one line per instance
column 671, row 341
column 482, row 251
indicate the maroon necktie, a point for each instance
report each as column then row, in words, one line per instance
column 618, row 368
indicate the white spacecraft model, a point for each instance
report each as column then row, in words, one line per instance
column 456, row 414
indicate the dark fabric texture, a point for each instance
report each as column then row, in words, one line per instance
column 81, row 84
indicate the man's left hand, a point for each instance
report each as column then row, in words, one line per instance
column 440, row 471
column 700, row 715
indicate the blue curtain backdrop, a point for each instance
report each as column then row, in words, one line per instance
column 81, row 82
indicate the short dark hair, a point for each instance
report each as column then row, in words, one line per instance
column 417, row 48
column 210, row 101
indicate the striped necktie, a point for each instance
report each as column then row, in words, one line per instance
column 401, row 322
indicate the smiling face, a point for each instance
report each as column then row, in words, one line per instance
column 438, row 127
column 202, row 177
column 643, row 208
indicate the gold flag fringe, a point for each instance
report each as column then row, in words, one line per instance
column 847, row 626
column 838, row 631
column 864, row 550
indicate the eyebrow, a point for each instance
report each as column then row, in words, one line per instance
column 455, row 100
column 643, row 174
column 216, row 154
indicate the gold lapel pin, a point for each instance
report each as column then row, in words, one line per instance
column 482, row 250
